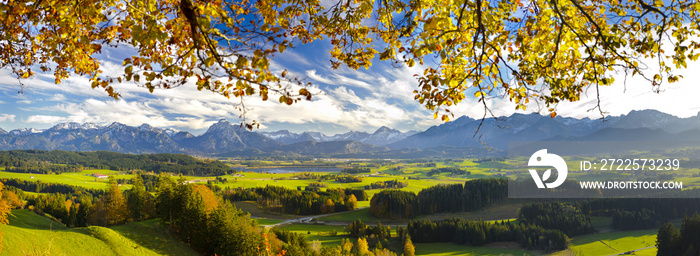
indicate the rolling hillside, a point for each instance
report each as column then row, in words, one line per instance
column 31, row 234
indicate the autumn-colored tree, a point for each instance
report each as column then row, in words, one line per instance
column 4, row 211
column 351, row 203
column 209, row 199
column 526, row 50
column 347, row 246
column 408, row 248
column 328, row 206
column 361, row 248
column 114, row 204
column 12, row 199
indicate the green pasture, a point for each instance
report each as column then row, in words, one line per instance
column 311, row 232
column 81, row 179
column 614, row 242
column 31, row 234
column 449, row 249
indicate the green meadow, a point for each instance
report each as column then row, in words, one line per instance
column 448, row 249
column 31, row 234
column 613, row 243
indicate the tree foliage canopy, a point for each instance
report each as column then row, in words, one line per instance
column 545, row 50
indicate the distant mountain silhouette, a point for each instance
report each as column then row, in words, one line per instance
column 453, row 139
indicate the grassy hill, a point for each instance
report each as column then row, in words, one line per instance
column 31, row 234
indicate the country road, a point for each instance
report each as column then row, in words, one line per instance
column 307, row 219
column 630, row 252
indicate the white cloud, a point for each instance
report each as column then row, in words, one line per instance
column 43, row 119
column 58, row 97
column 312, row 74
column 7, row 117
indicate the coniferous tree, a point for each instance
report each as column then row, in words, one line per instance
column 83, row 214
column 137, row 200
column 72, row 216
column 667, row 240
column 116, row 211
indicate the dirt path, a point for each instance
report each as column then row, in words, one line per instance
column 601, row 241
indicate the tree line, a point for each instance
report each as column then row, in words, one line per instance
column 451, row 170
column 38, row 186
column 356, row 170
column 110, row 207
column 671, row 241
column 473, row 195
column 633, row 220
column 57, row 161
column 470, row 196
column 386, row 184
column 308, row 202
column 555, row 215
column 641, row 213
column 477, row 233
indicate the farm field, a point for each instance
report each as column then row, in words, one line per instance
column 613, row 243
column 312, row 233
column 448, row 249
column 81, row 179
column 351, row 216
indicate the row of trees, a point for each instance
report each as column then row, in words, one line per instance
column 40, row 167
column 478, row 233
column 348, row 178
column 394, row 204
column 111, row 207
column 313, row 176
column 555, row 215
column 359, row 229
column 43, row 187
column 631, row 220
column 473, row 195
column 667, row 208
column 308, row 202
column 386, row 184
column 149, row 181
column 451, row 170
column 356, row 170
column 40, row 161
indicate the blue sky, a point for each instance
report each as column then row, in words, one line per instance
column 361, row 100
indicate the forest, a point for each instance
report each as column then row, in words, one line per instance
column 473, row 195
column 461, row 231
column 40, row 161
column 686, row 241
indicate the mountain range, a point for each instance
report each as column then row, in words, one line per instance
column 453, row 139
